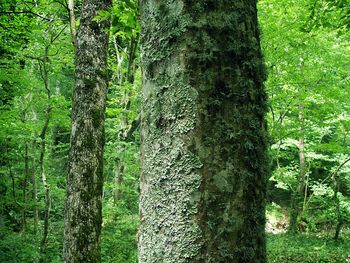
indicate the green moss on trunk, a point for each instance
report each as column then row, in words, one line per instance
column 204, row 137
column 83, row 217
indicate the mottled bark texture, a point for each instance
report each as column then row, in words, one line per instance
column 204, row 153
column 85, row 166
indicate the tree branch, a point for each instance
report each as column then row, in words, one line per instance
column 26, row 12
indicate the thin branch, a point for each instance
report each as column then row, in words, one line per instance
column 329, row 176
column 53, row 38
column 26, row 12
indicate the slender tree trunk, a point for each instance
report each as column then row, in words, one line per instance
column 72, row 23
column 120, row 59
column 83, row 215
column 340, row 220
column 204, row 148
column 297, row 204
column 25, row 183
column 13, row 183
column 46, row 187
column 118, row 179
column 45, row 77
column 35, row 193
column 131, row 58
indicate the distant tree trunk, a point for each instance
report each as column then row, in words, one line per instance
column 298, row 195
column 25, row 183
column 340, row 219
column 204, row 148
column 45, row 77
column 125, row 132
column 35, row 193
column 45, row 185
column 72, row 23
column 131, row 59
column 118, row 74
column 118, row 178
column 44, row 71
column 83, row 215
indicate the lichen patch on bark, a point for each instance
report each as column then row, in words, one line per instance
column 204, row 149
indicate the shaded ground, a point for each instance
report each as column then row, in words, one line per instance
column 303, row 248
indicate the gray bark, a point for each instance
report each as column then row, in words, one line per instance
column 297, row 206
column 118, row 179
column 72, row 23
column 204, row 149
column 83, row 216
column 46, row 187
column 44, row 71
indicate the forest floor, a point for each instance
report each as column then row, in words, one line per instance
column 307, row 248
column 310, row 246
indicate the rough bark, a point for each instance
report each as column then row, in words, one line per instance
column 204, row 149
column 83, row 216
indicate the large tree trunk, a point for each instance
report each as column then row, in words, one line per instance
column 83, row 216
column 204, row 149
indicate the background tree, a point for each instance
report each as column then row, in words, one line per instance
column 83, row 215
column 306, row 68
column 34, row 63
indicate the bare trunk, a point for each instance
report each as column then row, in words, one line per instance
column 46, row 187
column 72, row 23
column 120, row 59
column 297, row 204
column 25, row 183
column 340, row 220
column 35, row 193
column 44, row 72
column 118, row 179
column 204, row 150
column 131, row 58
column 43, row 242
column 83, row 215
